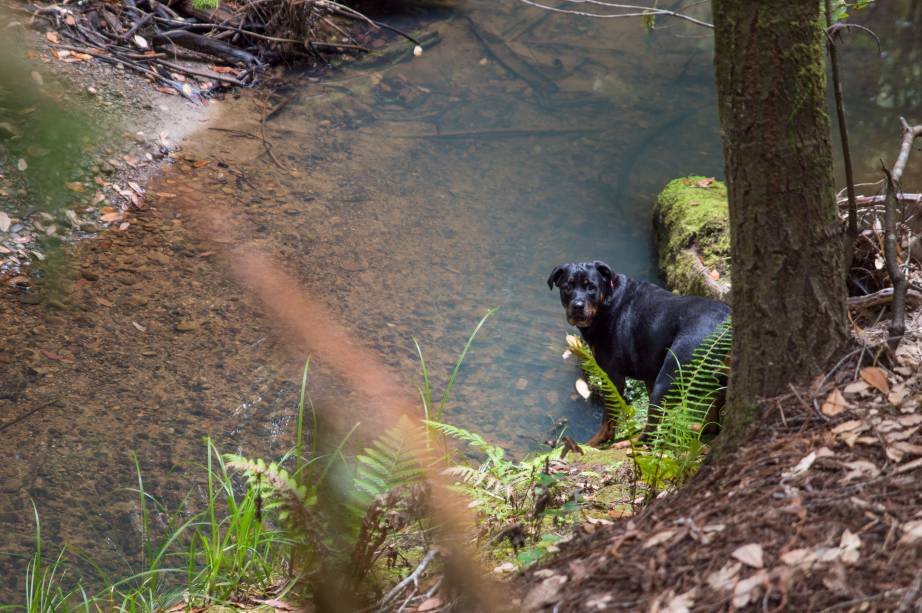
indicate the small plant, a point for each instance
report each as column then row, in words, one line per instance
column 675, row 449
column 206, row 5
column 525, row 502
column 44, row 590
column 626, row 416
column 425, row 391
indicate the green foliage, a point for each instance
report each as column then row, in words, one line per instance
column 533, row 497
column 206, row 5
column 425, row 390
column 387, row 464
column 675, row 449
column 841, row 8
column 44, row 590
column 620, row 411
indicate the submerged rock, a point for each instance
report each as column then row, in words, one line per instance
column 692, row 225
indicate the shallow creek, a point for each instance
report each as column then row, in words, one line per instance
column 408, row 195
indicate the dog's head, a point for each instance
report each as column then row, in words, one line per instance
column 584, row 287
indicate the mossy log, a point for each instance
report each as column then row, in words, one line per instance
column 692, row 226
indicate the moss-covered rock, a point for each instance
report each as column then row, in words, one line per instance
column 692, row 225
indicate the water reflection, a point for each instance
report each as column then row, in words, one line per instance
column 429, row 189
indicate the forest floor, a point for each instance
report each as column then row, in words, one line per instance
column 819, row 509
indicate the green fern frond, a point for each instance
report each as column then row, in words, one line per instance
column 293, row 500
column 494, row 453
column 390, row 461
column 701, row 379
column 675, row 449
column 599, row 380
column 475, row 478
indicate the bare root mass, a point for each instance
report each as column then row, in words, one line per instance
column 176, row 43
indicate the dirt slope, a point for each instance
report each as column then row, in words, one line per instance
column 818, row 510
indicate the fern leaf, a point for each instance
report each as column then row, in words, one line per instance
column 599, row 380
column 493, row 452
column 389, row 462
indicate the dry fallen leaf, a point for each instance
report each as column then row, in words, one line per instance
column 750, row 555
column 877, row 378
column 658, row 539
column 803, row 466
column 835, row 403
column 856, row 387
column 668, row 602
column 75, row 186
column 5, row 222
column 430, row 604
column 849, row 426
column 747, row 589
column 140, row 41
column 912, row 532
column 897, row 395
column 52, row 37
column 860, row 469
column 725, row 577
column 798, row 556
column 849, row 544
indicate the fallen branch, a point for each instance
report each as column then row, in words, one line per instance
column 720, row 289
column 206, row 45
column 897, row 275
column 411, row 578
column 632, row 10
column 880, row 199
column 882, row 297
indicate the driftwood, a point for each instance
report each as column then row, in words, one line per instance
column 882, row 297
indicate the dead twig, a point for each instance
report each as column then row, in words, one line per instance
column 884, row 296
column 843, row 131
column 411, row 578
column 894, row 270
column 632, row 10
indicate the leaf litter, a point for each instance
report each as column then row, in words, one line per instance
column 800, row 502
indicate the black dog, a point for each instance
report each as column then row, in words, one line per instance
column 634, row 328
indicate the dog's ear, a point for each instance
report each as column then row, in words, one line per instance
column 554, row 279
column 606, row 273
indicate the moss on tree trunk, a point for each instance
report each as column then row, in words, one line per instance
column 693, row 236
column 788, row 298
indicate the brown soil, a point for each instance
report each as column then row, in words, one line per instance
column 828, row 508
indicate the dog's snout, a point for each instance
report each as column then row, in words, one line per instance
column 578, row 304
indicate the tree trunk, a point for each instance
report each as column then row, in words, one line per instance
column 786, row 245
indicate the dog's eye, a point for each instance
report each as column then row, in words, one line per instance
column 590, row 287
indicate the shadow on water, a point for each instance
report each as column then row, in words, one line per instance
column 408, row 195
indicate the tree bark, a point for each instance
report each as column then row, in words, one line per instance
column 786, row 245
